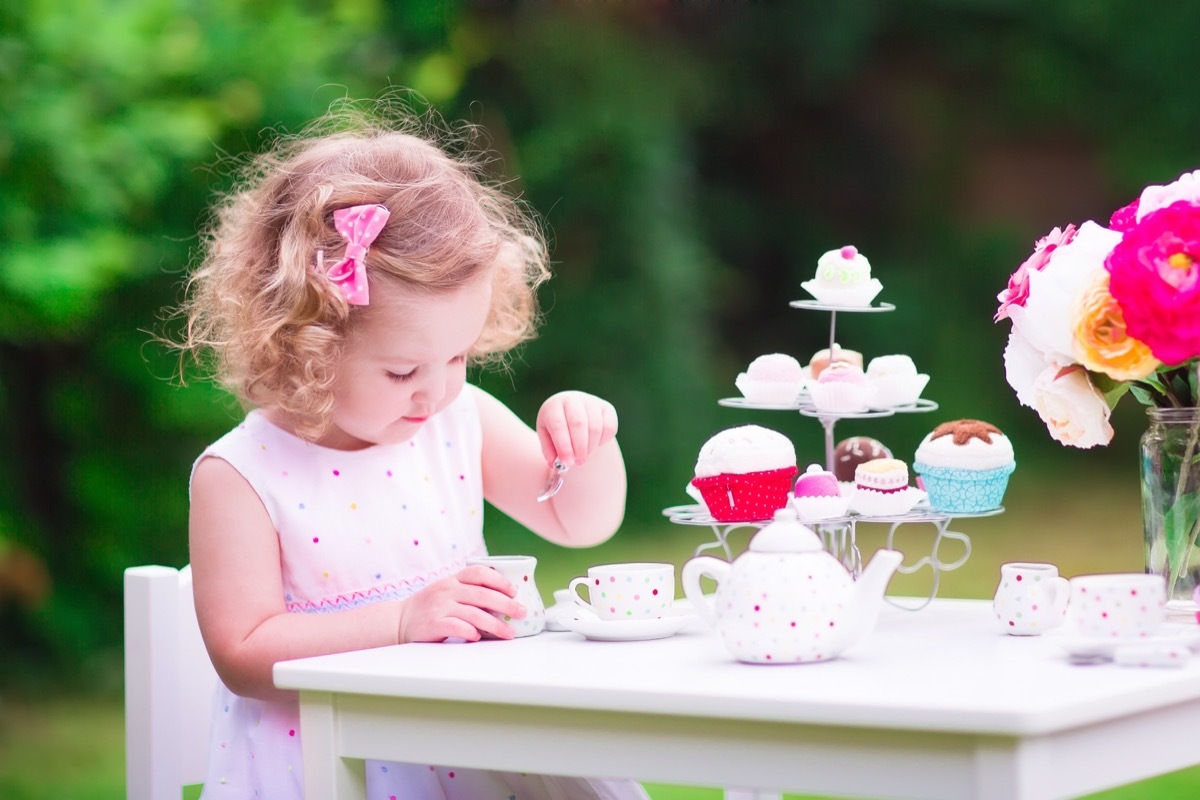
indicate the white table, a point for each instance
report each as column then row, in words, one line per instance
column 934, row 704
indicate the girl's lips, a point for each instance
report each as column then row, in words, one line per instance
column 415, row 419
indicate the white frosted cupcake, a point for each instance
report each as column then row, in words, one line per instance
column 881, row 488
column 896, row 380
column 842, row 388
column 843, row 279
column 745, row 474
column 775, row 378
column 965, row 466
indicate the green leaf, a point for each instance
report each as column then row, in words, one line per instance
column 1141, row 394
column 1178, row 523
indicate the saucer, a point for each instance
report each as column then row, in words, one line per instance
column 1079, row 646
column 632, row 630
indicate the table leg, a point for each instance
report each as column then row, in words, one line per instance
column 327, row 776
column 751, row 794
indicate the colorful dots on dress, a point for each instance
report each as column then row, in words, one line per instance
column 292, row 732
column 354, row 506
column 316, row 539
column 302, row 506
column 462, row 477
column 389, row 473
column 337, row 472
column 416, row 542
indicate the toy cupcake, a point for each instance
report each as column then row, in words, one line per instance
column 818, row 496
column 842, row 388
column 881, row 489
column 964, row 466
column 843, row 279
column 896, row 380
column 745, row 474
column 776, row 378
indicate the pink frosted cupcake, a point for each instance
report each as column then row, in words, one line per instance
column 818, row 495
column 842, row 388
column 776, row 378
column 745, row 474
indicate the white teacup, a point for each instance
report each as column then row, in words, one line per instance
column 519, row 571
column 1121, row 605
column 1030, row 599
column 635, row 590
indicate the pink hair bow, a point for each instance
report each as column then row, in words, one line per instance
column 359, row 226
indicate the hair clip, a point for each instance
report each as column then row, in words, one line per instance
column 359, row 226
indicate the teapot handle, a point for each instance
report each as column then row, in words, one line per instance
column 693, row 570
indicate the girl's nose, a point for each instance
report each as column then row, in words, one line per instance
column 430, row 388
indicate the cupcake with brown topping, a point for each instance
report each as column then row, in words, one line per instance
column 964, row 466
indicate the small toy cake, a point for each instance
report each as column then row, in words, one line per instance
column 881, row 488
column 818, row 496
column 965, row 465
column 842, row 388
column 896, row 380
column 851, row 452
column 745, row 474
column 821, row 359
column 843, row 279
column 774, row 378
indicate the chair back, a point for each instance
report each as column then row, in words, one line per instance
column 169, row 684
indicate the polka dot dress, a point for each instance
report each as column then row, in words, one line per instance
column 358, row 527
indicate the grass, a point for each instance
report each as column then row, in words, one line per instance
column 72, row 745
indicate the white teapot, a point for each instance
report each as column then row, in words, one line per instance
column 786, row 600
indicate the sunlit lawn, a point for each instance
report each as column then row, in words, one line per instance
column 72, row 747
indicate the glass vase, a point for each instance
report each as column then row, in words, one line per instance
column 1170, row 451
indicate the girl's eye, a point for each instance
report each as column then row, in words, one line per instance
column 401, row 378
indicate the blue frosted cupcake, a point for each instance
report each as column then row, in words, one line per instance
column 964, row 466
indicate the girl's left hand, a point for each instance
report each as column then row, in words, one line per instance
column 572, row 425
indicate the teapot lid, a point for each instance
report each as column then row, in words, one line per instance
column 785, row 534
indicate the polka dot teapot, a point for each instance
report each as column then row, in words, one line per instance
column 786, row 600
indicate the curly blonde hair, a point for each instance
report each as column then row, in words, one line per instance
column 271, row 327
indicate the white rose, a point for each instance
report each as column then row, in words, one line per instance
column 1186, row 187
column 1045, row 321
column 1073, row 409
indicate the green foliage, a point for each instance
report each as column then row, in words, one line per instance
column 691, row 162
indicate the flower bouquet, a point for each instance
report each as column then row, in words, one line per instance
column 1098, row 312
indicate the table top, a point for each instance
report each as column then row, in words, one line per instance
column 946, row 667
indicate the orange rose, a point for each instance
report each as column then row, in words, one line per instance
column 1101, row 343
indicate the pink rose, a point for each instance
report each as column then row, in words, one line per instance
column 1073, row 409
column 1124, row 217
column 1155, row 271
column 1017, row 292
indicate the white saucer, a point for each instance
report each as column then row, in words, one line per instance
column 633, row 630
column 1078, row 646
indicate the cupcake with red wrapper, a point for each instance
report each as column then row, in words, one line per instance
column 842, row 388
column 745, row 474
column 818, row 495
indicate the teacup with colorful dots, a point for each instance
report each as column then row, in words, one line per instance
column 628, row 591
column 1030, row 599
column 1119, row 605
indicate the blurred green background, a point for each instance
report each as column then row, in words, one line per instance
column 691, row 160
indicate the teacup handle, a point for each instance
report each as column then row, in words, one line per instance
column 575, row 594
column 695, row 569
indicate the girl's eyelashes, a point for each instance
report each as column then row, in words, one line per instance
column 401, row 377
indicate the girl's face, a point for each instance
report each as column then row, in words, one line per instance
column 405, row 362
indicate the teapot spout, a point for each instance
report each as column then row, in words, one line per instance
column 867, row 596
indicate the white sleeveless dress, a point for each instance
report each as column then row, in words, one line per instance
column 357, row 527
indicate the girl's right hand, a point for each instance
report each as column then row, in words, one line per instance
column 459, row 607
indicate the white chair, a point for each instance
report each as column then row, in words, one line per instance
column 169, row 684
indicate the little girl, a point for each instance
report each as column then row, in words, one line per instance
column 344, row 288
